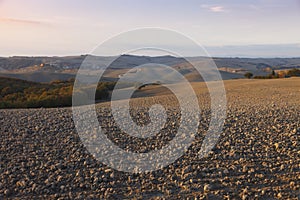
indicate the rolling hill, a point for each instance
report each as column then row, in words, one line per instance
column 47, row 69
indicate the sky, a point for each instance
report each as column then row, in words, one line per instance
column 256, row 28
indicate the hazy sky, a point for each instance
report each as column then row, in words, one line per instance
column 225, row 27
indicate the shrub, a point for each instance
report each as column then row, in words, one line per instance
column 17, row 93
column 248, row 75
column 293, row 72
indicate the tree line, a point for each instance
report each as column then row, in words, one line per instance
column 281, row 74
column 16, row 93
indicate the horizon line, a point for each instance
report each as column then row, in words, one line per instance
column 153, row 56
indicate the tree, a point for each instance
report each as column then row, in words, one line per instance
column 6, row 91
column 248, row 75
column 293, row 72
column 273, row 73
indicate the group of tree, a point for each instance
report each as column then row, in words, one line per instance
column 273, row 74
column 15, row 93
column 293, row 72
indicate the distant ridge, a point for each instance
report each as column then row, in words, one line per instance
column 127, row 60
column 47, row 69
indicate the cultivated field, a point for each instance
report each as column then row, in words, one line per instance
column 257, row 156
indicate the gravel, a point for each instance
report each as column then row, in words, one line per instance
column 256, row 157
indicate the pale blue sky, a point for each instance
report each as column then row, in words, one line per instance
column 226, row 28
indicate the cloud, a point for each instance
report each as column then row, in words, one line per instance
column 214, row 8
column 217, row 9
column 20, row 21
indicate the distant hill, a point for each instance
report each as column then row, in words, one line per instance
column 39, row 76
column 19, row 62
column 47, row 69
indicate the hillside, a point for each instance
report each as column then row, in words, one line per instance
column 256, row 157
column 47, row 69
column 16, row 93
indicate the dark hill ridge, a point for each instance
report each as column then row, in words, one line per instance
column 74, row 62
column 18, row 62
column 47, row 69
